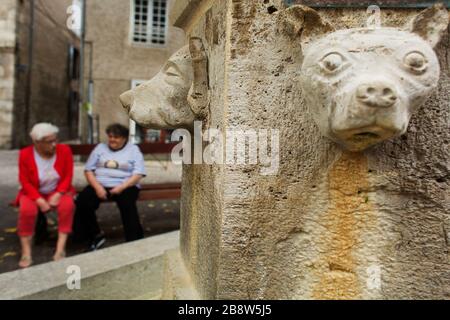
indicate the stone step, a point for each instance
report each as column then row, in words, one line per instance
column 177, row 281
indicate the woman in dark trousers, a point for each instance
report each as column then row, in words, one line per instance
column 113, row 172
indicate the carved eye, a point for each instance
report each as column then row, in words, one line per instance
column 416, row 62
column 332, row 62
column 172, row 72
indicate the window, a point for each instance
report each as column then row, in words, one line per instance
column 135, row 129
column 139, row 134
column 74, row 63
column 149, row 22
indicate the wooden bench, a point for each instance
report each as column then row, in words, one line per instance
column 159, row 191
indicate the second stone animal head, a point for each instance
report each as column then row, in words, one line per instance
column 176, row 96
column 362, row 85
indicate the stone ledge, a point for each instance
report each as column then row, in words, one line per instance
column 37, row 282
column 180, row 11
column 177, row 281
column 183, row 12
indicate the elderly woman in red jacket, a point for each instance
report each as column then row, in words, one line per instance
column 45, row 175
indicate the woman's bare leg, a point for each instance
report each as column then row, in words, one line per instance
column 61, row 246
column 25, row 260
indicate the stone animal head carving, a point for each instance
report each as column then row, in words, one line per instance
column 176, row 96
column 362, row 85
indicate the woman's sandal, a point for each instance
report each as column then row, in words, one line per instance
column 25, row 262
column 59, row 256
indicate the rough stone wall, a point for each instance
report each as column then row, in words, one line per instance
column 116, row 61
column 329, row 219
column 331, row 224
column 7, row 43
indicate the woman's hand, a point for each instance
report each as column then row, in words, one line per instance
column 53, row 201
column 43, row 205
column 134, row 180
column 117, row 190
column 101, row 193
column 99, row 189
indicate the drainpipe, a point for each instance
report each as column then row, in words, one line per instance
column 30, row 69
column 92, row 134
column 82, row 58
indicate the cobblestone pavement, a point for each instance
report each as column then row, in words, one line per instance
column 156, row 216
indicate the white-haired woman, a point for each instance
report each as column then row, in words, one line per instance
column 45, row 175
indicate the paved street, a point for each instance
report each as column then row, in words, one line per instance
column 156, row 216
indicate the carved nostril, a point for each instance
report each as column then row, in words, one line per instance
column 362, row 93
column 376, row 95
column 371, row 90
column 387, row 92
column 390, row 95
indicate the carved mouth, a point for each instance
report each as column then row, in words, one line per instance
column 127, row 108
column 126, row 99
column 366, row 135
column 362, row 138
column 358, row 141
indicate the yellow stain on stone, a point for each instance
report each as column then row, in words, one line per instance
column 345, row 219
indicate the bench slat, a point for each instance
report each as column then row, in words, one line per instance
column 157, row 186
column 153, row 187
column 160, row 191
column 146, row 148
column 167, row 194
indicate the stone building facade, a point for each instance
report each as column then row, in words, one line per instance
column 46, row 90
column 118, row 61
column 7, row 62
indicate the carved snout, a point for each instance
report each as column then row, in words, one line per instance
column 378, row 94
column 126, row 99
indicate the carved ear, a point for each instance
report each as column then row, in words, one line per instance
column 198, row 97
column 431, row 23
column 303, row 23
